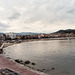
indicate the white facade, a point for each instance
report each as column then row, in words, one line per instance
column 2, row 37
column 11, row 35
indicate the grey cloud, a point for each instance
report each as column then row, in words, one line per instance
column 71, row 11
column 14, row 16
column 3, row 25
column 3, row 29
column 48, row 11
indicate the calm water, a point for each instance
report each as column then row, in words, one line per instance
column 59, row 54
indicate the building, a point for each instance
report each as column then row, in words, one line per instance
column 2, row 37
column 11, row 35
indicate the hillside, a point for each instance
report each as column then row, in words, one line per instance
column 24, row 33
column 27, row 33
column 66, row 31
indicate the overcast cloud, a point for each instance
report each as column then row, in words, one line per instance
column 36, row 15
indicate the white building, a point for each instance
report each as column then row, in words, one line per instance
column 11, row 35
column 2, row 37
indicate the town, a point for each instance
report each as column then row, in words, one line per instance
column 14, row 38
column 8, row 39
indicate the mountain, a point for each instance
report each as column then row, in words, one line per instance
column 26, row 33
column 66, row 31
column 1, row 33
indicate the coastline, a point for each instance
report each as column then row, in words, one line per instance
column 12, row 65
column 30, row 69
column 43, row 39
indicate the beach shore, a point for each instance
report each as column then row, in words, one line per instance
column 43, row 39
column 19, row 68
column 12, row 65
column 2, row 58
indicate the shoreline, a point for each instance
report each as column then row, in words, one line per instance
column 12, row 65
column 43, row 39
column 30, row 69
column 35, row 71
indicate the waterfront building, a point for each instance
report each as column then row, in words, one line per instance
column 2, row 37
column 11, row 35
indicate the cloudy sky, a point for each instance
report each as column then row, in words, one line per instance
column 36, row 15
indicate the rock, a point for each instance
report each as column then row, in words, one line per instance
column 43, row 69
column 24, row 64
column 27, row 62
column 33, row 63
column 3, row 52
column 29, row 66
column 19, row 61
column 32, row 67
column 53, row 68
column 39, row 70
column 8, row 57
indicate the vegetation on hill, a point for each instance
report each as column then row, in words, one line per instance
column 66, row 31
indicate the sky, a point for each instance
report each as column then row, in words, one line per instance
column 36, row 15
